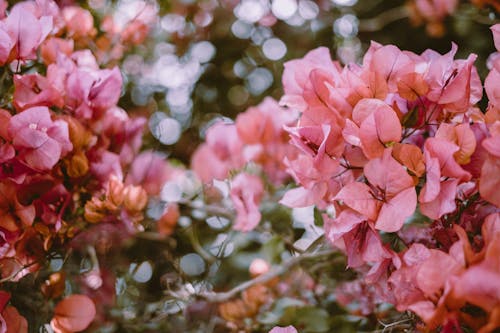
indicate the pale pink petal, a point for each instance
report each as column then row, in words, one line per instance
column 358, row 196
column 396, row 210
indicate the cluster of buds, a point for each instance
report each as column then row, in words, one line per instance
column 118, row 202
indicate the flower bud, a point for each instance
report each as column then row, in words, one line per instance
column 115, row 192
column 54, row 286
column 258, row 267
column 136, row 198
column 94, row 211
column 78, row 165
column 168, row 221
column 79, row 136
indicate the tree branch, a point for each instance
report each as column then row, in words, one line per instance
column 385, row 18
column 274, row 272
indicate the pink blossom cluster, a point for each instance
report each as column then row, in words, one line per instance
column 256, row 138
column 69, row 155
column 399, row 148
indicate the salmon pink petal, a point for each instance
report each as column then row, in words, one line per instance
column 380, row 127
column 396, row 210
column 74, row 313
column 391, row 63
column 15, row 322
column 479, row 286
column 444, row 203
column 387, row 174
column 435, row 271
column 347, row 220
column 303, row 197
column 410, row 156
column 489, row 182
column 443, row 150
column 432, row 186
column 358, row 196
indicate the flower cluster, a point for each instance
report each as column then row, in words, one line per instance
column 258, row 138
column 69, row 155
column 399, row 149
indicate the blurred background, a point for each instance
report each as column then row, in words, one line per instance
column 207, row 60
column 211, row 59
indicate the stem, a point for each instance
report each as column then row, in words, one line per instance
column 193, row 238
column 277, row 271
column 385, row 18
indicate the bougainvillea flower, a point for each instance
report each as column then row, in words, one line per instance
column 10, row 319
column 91, row 93
column 35, row 90
column 40, row 142
column 489, row 183
column 246, row 193
column 104, row 164
column 53, row 47
column 26, row 31
column 297, row 72
column 386, row 64
column 219, row 154
column 124, row 132
column 79, row 22
column 454, row 84
column 395, row 188
column 73, row 314
column 288, row 329
column 150, row 170
column 444, row 151
column 13, row 215
column 378, row 126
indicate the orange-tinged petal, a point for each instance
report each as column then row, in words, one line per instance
column 410, row 156
column 74, row 313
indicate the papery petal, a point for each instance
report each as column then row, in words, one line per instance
column 387, row 174
column 74, row 313
column 444, row 203
column 396, row 210
column 443, row 150
column 410, row 156
column 358, row 196
column 432, row 185
column 380, row 127
column 435, row 271
column 303, row 197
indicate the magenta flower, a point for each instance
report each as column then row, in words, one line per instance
column 39, row 141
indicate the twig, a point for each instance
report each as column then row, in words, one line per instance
column 385, row 18
column 277, row 271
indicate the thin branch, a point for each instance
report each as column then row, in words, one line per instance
column 276, row 271
column 385, row 18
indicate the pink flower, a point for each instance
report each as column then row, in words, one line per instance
column 246, row 193
column 221, row 153
column 73, row 314
column 91, row 92
column 26, row 32
column 288, row 329
column 150, row 170
column 35, row 90
column 79, row 22
column 39, row 141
